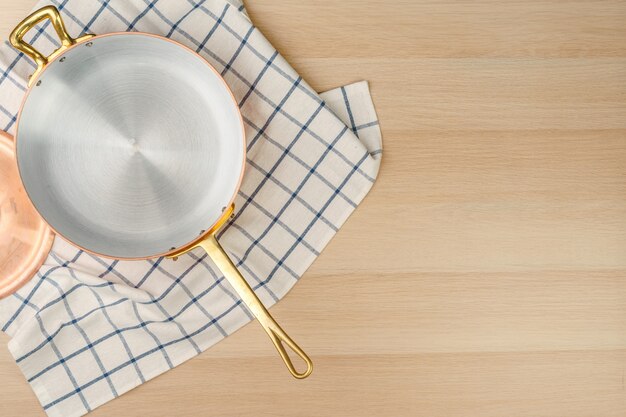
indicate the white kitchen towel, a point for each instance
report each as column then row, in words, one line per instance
column 86, row 330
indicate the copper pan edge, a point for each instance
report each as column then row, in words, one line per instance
column 25, row 238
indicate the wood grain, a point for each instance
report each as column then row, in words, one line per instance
column 485, row 275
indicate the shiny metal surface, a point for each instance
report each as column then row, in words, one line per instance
column 130, row 145
column 25, row 239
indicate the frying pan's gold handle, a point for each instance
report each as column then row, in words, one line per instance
column 26, row 25
column 274, row 331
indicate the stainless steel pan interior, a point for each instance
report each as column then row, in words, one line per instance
column 130, row 145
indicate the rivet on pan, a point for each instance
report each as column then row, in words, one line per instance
column 172, row 248
column 89, row 44
column 62, row 59
column 202, row 232
column 38, row 83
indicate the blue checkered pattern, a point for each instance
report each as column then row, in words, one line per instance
column 86, row 330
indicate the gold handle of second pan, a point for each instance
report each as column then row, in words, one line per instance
column 29, row 23
column 273, row 329
column 277, row 335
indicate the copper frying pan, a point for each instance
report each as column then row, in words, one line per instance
column 132, row 146
column 25, row 239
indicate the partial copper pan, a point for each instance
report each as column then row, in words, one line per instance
column 25, row 239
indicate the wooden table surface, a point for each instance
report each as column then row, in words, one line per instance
column 485, row 275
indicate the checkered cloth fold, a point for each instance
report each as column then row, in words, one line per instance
column 86, row 330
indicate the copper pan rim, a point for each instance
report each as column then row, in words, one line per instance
column 35, row 239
